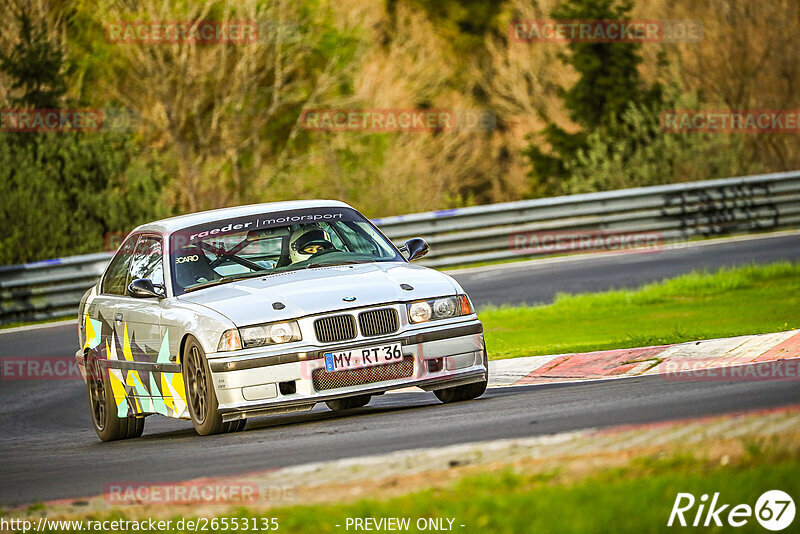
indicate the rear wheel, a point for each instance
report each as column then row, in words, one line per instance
column 468, row 391
column 103, row 408
column 348, row 403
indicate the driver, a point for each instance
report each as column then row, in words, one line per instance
column 306, row 242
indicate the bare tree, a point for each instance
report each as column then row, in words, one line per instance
column 217, row 112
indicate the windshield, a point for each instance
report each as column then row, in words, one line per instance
column 257, row 245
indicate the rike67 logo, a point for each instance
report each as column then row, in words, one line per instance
column 774, row 510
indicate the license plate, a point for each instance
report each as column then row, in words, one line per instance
column 363, row 357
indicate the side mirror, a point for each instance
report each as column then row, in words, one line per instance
column 143, row 288
column 416, row 248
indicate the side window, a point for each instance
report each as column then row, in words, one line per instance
column 147, row 260
column 116, row 279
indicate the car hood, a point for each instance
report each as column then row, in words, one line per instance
column 320, row 290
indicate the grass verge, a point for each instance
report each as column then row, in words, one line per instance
column 635, row 498
column 695, row 306
column 636, row 495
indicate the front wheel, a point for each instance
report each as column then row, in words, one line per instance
column 468, row 391
column 200, row 396
column 107, row 425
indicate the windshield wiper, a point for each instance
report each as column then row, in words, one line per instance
column 226, row 279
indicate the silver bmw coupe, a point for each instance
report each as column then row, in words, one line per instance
column 271, row 308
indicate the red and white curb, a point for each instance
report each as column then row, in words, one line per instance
column 695, row 356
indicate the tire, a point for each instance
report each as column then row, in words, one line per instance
column 338, row 405
column 465, row 392
column 200, row 395
column 103, row 409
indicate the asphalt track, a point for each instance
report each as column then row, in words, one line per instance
column 48, row 449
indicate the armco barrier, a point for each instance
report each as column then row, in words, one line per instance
column 674, row 212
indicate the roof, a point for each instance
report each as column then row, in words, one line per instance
column 166, row 226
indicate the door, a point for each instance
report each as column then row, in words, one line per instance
column 102, row 314
column 138, row 323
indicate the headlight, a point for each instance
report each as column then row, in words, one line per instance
column 270, row 334
column 419, row 312
column 281, row 333
column 442, row 308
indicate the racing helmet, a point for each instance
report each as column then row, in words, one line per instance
column 305, row 242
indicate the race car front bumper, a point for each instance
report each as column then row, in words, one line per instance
column 434, row 357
